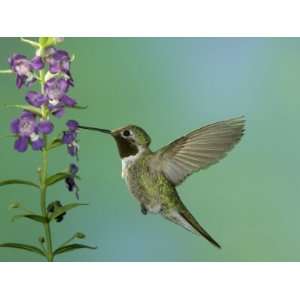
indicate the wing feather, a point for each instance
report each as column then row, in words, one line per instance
column 199, row 149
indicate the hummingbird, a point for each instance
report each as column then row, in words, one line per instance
column 152, row 176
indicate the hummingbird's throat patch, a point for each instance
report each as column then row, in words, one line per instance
column 126, row 148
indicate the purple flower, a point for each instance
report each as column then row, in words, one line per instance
column 45, row 127
column 36, row 99
column 70, row 180
column 72, row 125
column 21, row 144
column 56, row 88
column 24, row 69
column 55, row 91
column 70, row 138
column 59, row 62
column 37, row 63
column 37, row 144
column 28, row 130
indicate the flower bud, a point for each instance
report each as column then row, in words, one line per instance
column 79, row 235
column 41, row 239
column 14, row 205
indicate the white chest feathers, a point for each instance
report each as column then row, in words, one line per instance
column 127, row 162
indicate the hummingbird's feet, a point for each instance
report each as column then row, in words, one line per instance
column 144, row 210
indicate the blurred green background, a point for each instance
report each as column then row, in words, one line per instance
column 249, row 202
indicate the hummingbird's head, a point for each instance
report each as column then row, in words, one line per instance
column 130, row 139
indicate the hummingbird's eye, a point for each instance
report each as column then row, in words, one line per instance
column 126, row 133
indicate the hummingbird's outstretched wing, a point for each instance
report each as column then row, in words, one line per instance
column 180, row 215
column 199, row 149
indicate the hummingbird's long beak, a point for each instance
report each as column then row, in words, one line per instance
column 96, row 129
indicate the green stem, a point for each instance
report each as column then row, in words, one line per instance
column 42, row 80
column 43, row 186
column 47, row 228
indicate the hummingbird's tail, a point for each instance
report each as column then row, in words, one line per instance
column 183, row 217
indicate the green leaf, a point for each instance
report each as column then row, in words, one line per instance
column 48, row 41
column 26, row 107
column 33, row 217
column 56, row 178
column 31, row 43
column 78, row 107
column 25, row 247
column 14, row 205
column 9, row 71
column 72, row 247
column 55, row 143
column 43, row 41
column 18, row 181
column 79, row 235
column 64, row 209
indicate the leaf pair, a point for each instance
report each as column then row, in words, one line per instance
column 33, row 217
column 55, row 143
column 37, row 110
column 64, row 209
column 39, row 251
column 18, row 181
column 50, row 180
column 52, row 216
column 25, row 247
column 30, row 108
column 72, row 247
column 56, row 178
